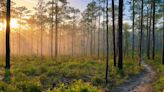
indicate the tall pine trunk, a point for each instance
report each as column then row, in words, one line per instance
column 91, row 40
column 163, row 40
column 31, row 41
column 56, row 31
column 99, row 28
column 72, row 34
column 141, row 35
column 148, row 32
column 163, row 45
column 133, row 32
column 114, row 44
column 41, row 48
column 153, row 53
column 104, row 27
column 120, row 23
column 150, row 24
column 8, row 35
column 94, row 37
column 107, row 42
column 19, row 36
column 52, row 29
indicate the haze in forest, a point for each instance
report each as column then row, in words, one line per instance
column 81, row 45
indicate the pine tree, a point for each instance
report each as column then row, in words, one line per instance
column 8, row 35
column 41, row 17
column 141, row 34
column 153, row 53
column 114, row 44
column 120, row 23
column 133, row 31
column 107, row 41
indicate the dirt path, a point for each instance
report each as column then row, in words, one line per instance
column 139, row 83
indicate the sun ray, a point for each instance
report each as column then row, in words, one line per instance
column 14, row 25
column 1, row 28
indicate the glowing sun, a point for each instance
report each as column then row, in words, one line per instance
column 14, row 23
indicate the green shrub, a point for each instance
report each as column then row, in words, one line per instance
column 29, row 86
column 45, row 81
column 31, row 71
column 159, row 85
column 77, row 86
column 42, row 70
column 7, row 87
column 26, row 84
column 98, row 81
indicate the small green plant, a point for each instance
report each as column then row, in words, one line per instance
column 7, row 87
column 158, row 84
column 77, row 86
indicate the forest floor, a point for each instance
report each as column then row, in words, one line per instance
column 35, row 74
column 77, row 71
column 139, row 83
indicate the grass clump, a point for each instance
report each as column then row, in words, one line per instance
column 158, row 84
column 76, row 86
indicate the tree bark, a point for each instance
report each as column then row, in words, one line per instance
column 114, row 44
column 107, row 43
column 56, row 31
column 133, row 32
column 153, row 53
column 52, row 29
column 148, row 32
column 91, row 40
column 8, row 35
column 163, row 44
column 99, row 29
column 41, row 48
column 72, row 44
column 163, row 39
column 150, row 24
column 120, row 23
column 141, row 34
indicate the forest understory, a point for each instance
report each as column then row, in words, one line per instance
column 79, row 75
column 82, row 46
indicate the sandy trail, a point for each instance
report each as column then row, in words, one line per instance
column 139, row 83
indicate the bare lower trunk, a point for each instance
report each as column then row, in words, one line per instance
column 52, row 29
column 56, row 32
column 8, row 35
column 153, row 53
column 149, row 35
column 114, row 44
column 107, row 43
column 163, row 41
column 141, row 34
column 120, row 55
column 148, row 32
column 41, row 40
column 133, row 32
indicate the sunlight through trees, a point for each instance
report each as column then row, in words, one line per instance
column 61, row 45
